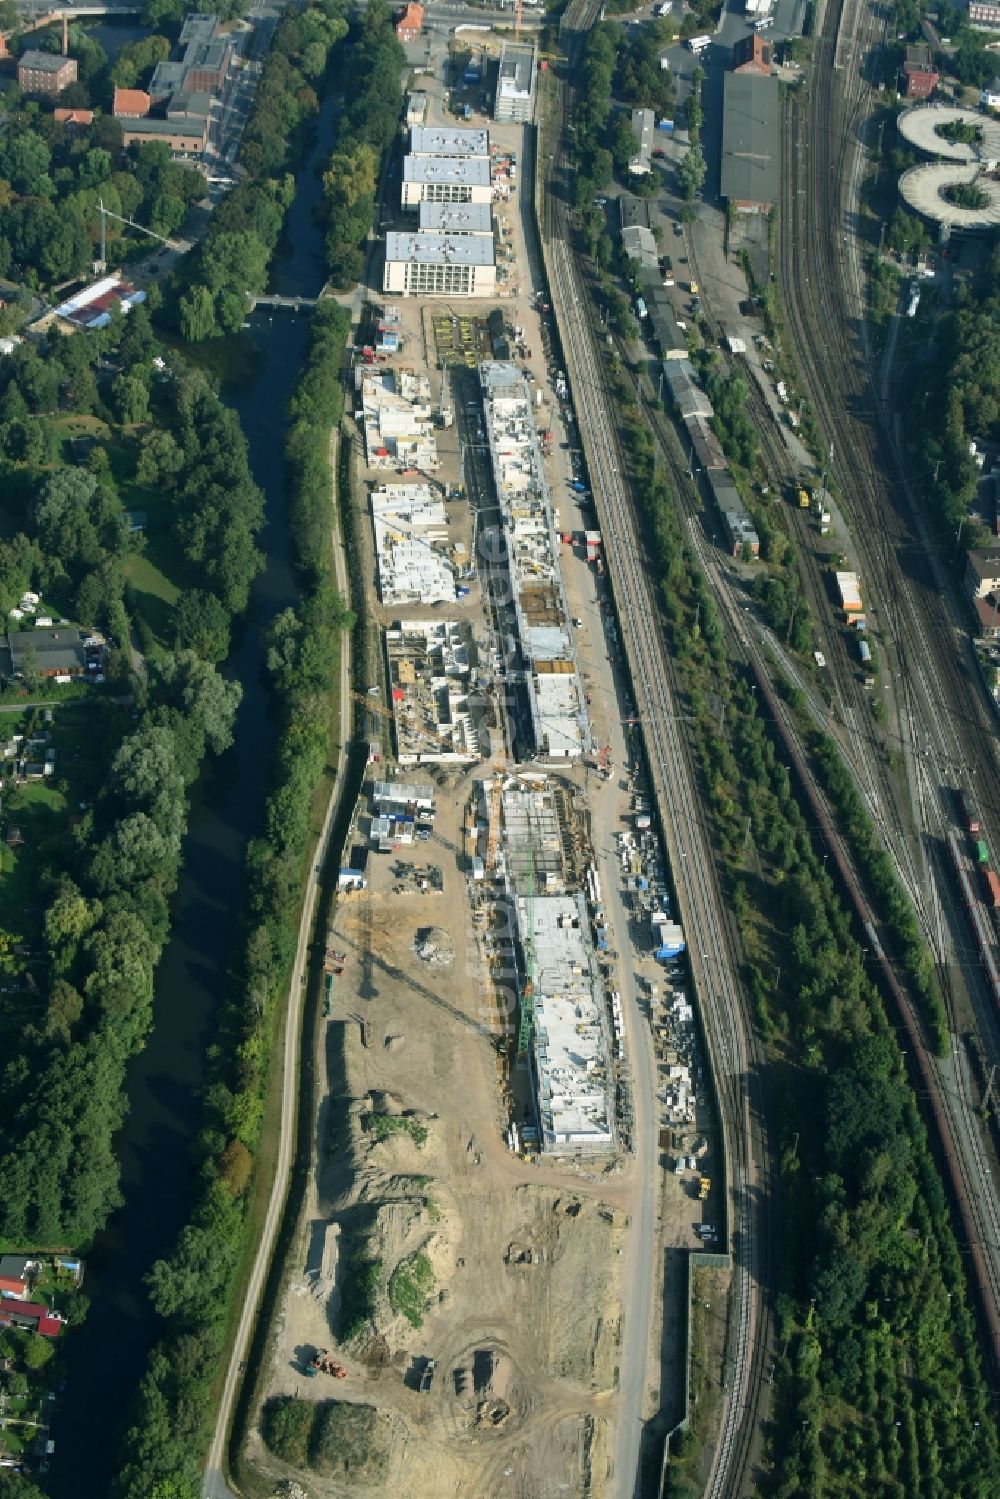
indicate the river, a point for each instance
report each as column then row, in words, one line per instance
column 107, row 1356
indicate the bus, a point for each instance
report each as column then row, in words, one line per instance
column 698, row 44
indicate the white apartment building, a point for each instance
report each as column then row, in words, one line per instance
column 439, row 265
column 455, row 218
column 445, row 179
column 515, row 95
column 397, row 420
column 438, row 140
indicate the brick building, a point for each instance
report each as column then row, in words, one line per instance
column 753, row 55
column 918, row 77
column 45, row 73
column 410, row 23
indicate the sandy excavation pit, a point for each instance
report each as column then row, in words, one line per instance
column 491, row 1349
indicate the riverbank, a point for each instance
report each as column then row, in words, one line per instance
column 108, row 1355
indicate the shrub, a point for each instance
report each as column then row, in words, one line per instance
column 286, row 1426
column 410, row 1287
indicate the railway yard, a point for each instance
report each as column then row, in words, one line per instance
column 544, row 1088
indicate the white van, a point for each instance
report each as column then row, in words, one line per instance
column 698, row 44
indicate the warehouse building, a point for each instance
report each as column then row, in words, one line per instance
column 751, row 142
column 439, row 265
column 706, row 450
column 671, row 338
column 643, row 125
column 455, row 218
column 639, row 245
column 445, row 179
column 515, row 95
column 685, row 390
column 570, row 1055
column 45, row 74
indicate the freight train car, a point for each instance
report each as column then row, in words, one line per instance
column 970, row 817
column 980, row 916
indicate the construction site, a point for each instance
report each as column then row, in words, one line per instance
column 502, row 976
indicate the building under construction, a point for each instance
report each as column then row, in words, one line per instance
column 563, row 1031
column 556, row 710
column 430, row 667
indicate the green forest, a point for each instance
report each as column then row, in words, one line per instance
column 129, row 506
column 956, row 398
column 99, row 914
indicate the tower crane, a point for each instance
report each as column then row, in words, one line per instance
column 107, row 213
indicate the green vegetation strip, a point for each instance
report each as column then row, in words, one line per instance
column 879, row 1377
column 372, row 103
column 192, row 1288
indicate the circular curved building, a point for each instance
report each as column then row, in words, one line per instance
column 958, row 163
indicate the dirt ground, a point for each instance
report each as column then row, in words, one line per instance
column 521, row 1261
column 522, row 1318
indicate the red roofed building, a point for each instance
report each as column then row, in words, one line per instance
column 410, row 23
column 32, row 1316
column 74, row 116
column 753, row 55
column 131, row 104
column 15, row 1289
column 918, row 77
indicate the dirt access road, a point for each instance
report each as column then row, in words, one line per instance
column 214, row 1484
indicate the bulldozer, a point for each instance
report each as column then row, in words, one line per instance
column 322, row 1363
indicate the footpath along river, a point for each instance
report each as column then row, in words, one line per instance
column 107, row 1356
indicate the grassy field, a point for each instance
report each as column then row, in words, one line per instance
column 153, row 596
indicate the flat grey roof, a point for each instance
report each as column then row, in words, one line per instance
column 640, row 245
column 517, row 66
column 474, row 170
column 751, row 139
column 437, row 140
column 60, row 647
column 193, row 125
column 456, row 218
column 440, row 249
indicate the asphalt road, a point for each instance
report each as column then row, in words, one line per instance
column 214, row 1485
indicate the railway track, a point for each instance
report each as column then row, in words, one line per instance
column 713, row 943
column 852, row 729
column 945, row 734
